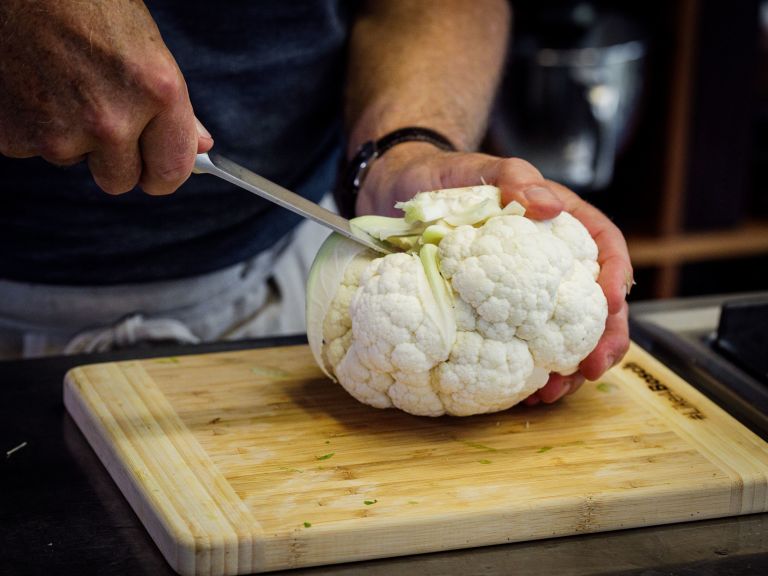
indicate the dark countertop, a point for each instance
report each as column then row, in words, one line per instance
column 60, row 512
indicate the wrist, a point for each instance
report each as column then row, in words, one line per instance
column 400, row 158
column 414, row 140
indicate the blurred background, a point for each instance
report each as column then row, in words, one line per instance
column 658, row 114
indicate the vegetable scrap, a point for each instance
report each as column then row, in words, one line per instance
column 307, row 524
column 484, row 461
column 544, row 449
column 270, row 372
column 215, row 420
column 369, row 502
column 605, row 387
column 478, row 446
column 15, row 449
column 325, row 456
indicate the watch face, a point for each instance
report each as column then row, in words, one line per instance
column 360, row 165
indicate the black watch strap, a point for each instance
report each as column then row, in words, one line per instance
column 352, row 177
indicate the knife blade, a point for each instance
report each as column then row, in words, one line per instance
column 218, row 165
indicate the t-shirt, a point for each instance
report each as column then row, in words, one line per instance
column 266, row 78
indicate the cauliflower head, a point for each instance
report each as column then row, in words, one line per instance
column 472, row 317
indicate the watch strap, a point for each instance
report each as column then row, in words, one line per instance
column 353, row 176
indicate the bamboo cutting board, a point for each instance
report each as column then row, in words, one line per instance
column 251, row 461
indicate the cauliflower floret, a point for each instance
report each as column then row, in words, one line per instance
column 508, row 271
column 576, row 324
column 397, row 330
column 337, row 324
column 484, row 375
column 576, row 237
column 532, row 281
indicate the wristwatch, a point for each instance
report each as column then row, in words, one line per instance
column 352, row 177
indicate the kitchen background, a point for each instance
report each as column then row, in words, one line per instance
column 658, row 114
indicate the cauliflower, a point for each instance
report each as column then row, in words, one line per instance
column 471, row 318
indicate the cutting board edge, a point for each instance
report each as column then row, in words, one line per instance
column 172, row 359
column 376, row 542
column 185, row 553
column 735, row 449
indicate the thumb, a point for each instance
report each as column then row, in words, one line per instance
column 521, row 181
column 204, row 140
column 540, row 202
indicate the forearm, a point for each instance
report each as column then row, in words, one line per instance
column 431, row 63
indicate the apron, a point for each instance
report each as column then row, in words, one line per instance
column 263, row 296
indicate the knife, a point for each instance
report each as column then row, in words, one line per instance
column 226, row 169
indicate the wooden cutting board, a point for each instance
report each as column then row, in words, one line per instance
column 251, row 461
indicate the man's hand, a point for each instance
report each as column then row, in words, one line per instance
column 413, row 167
column 94, row 81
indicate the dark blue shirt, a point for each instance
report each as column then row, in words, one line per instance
column 266, row 79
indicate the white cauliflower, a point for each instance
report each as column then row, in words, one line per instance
column 472, row 319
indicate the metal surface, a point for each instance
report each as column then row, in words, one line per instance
column 571, row 97
column 226, row 169
column 680, row 333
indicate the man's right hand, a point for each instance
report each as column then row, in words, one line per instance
column 94, row 81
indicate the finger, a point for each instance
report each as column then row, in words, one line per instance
column 616, row 272
column 24, row 141
column 520, row 181
column 168, row 146
column 532, row 400
column 65, row 162
column 18, row 152
column 116, row 168
column 64, row 150
column 611, row 347
column 556, row 387
column 51, row 140
column 559, row 386
column 108, row 142
column 615, row 279
column 540, row 203
column 576, row 381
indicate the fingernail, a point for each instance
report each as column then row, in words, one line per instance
column 610, row 360
column 201, row 130
column 576, row 382
column 538, row 194
column 629, row 281
column 564, row 389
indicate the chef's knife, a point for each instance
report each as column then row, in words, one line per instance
column 232, row 172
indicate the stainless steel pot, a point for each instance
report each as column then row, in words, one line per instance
column 569, row 111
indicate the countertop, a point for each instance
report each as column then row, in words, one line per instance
column 60, row 512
